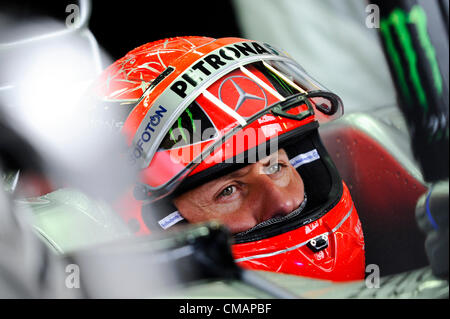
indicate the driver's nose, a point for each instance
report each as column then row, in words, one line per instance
column 277, row 200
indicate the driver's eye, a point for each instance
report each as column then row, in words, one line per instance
column 228, row 191
column 273, row 169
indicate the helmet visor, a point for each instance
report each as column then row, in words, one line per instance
column 247, row 106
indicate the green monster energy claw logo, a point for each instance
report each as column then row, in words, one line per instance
column 399, row 20
column 181, row 129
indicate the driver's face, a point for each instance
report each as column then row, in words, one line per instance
column 246, row 197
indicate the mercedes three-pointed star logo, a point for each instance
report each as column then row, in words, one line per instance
column 246, row 90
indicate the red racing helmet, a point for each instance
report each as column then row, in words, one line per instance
column 195, row 108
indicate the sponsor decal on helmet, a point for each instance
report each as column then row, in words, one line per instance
column 145, row 136
column 305, row 158
column 253, row 92
column 214, row 61
column 170, row 220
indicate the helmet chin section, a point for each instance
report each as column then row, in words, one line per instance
column 330, row 248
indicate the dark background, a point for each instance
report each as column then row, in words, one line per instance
column 121, row 26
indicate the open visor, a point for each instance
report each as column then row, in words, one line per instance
column 237, row 113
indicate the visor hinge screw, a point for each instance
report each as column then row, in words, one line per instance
column 319, row 243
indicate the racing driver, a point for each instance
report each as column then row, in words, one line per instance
column 227, row 129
